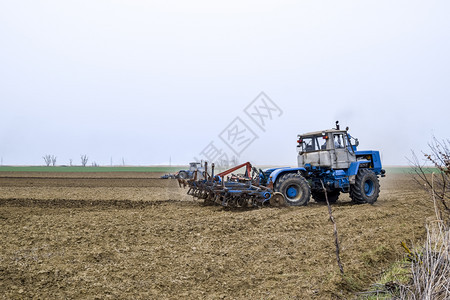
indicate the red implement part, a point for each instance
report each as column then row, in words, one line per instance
column 248, row 170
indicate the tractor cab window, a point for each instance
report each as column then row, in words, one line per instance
column 339, row 141
column 349, row 144
column 322, row 140
column 309, row 144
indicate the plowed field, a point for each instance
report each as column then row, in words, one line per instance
column 110, row 235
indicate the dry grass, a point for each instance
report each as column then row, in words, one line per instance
column 430, row 266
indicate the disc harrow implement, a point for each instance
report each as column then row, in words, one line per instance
column 329, row 164
column 237, row 191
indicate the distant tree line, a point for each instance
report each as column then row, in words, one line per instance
column 50, row 160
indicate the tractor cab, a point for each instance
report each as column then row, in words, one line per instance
column 331, row 148
column 194, row 166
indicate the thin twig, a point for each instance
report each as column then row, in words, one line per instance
column 336, row 239
column 436, row 209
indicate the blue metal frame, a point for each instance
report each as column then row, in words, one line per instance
column 354, row 167
column 376, row 160
column 277, row 172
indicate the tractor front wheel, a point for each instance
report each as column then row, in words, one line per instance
column 295, row 189
column 366, row 188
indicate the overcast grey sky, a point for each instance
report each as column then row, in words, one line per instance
column 149, row 80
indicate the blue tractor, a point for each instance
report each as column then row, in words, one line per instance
column 328, row 164
column 193, row 167
column 328, row 160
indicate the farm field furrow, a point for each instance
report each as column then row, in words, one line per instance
column 119, row 236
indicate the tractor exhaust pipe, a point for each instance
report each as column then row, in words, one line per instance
column 337, row 125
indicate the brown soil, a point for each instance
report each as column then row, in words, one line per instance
column 132, row 236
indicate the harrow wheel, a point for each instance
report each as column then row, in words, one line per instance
column 277, row 200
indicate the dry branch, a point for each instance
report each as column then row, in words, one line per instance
column 439, row 184
column 336, row 237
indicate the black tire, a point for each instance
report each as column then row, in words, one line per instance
column 366, row 188
column 183, row 175
column 319, row 197
column 294, row 188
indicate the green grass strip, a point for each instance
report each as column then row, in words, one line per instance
column 79, row 169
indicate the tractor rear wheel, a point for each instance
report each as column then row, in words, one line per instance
column 319, row 197
column 295, row 189
column 366, row 188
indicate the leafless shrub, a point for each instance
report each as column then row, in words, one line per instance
column 430, row 263
column 84, row 160
column 439, row 185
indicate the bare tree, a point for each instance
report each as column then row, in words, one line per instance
column 84, row 160
column 47, row 159
column 53, row 158
column 94, row 164
column 70, row 162
column 437, row 185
